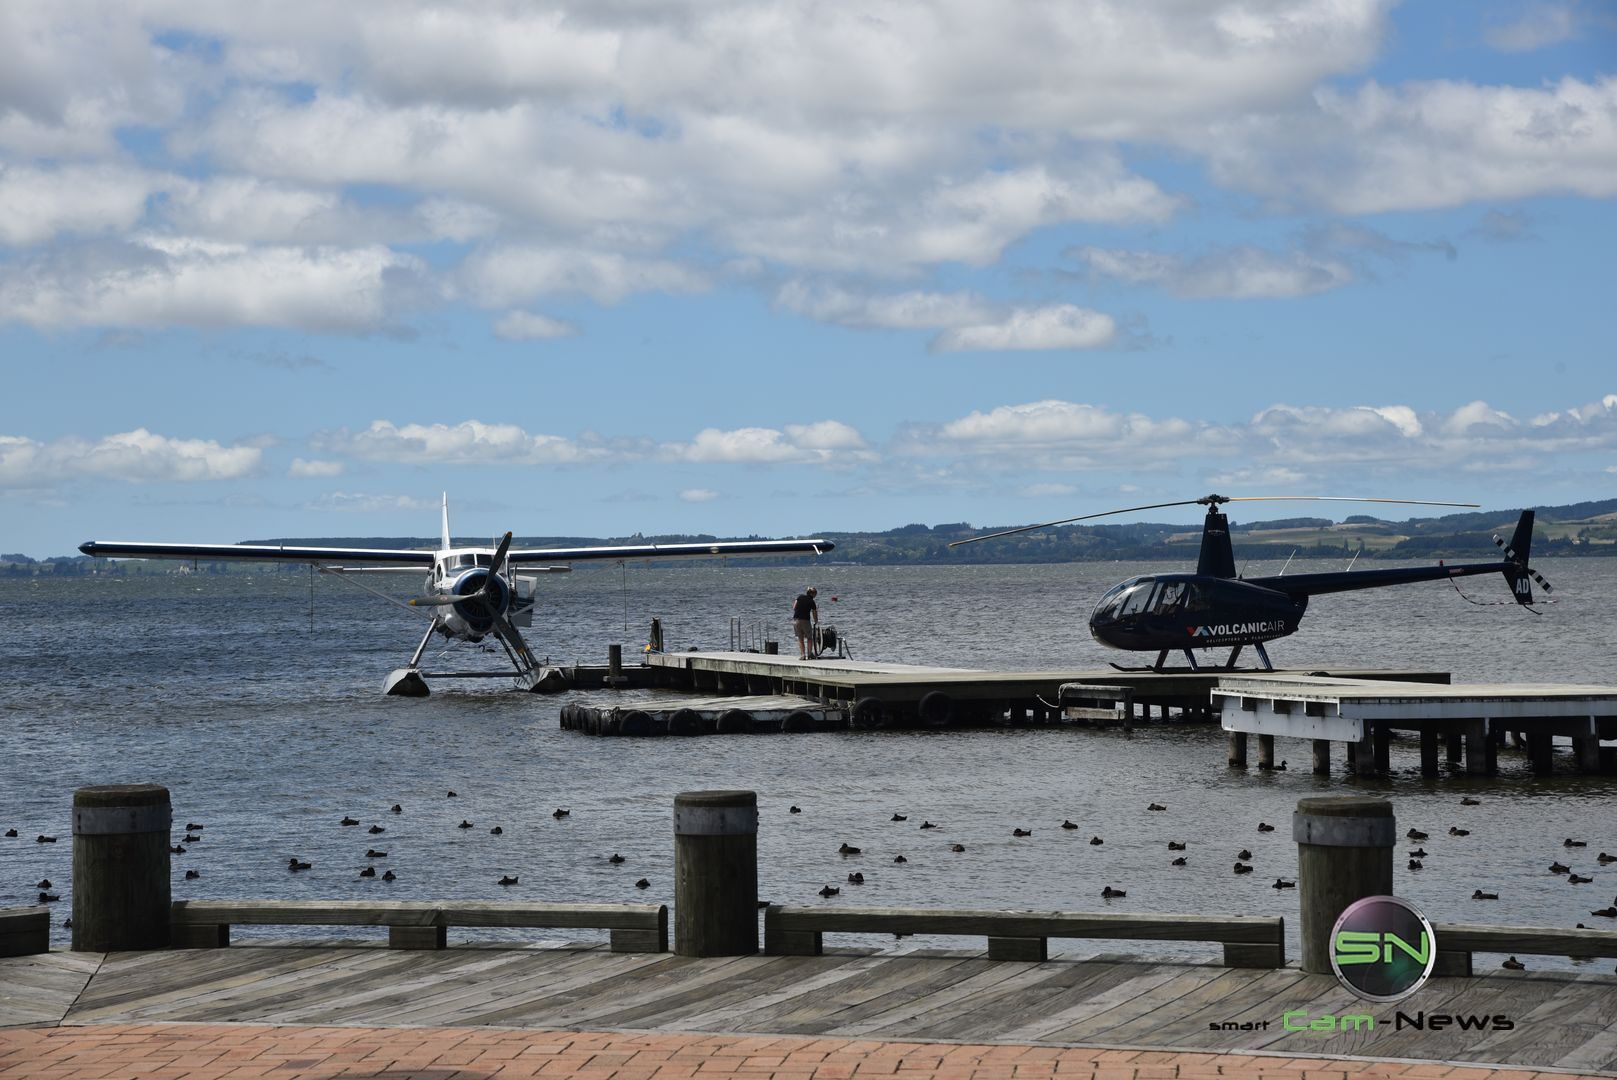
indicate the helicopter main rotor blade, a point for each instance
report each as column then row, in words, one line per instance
column 1341, row 498
column 1068, row 521
column 1209, row 501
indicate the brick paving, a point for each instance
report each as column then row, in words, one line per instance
column 220, row 1051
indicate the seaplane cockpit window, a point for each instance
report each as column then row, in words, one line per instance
column 1169, row 598
column 463, row 560
column 483, row 560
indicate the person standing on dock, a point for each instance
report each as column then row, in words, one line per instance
column 806, row 622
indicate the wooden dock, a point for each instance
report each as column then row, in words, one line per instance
column 1358, row 709
column 876, row 694
column 1558, row 1020
column 1472, row 720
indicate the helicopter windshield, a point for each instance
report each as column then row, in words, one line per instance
column 1124, row 598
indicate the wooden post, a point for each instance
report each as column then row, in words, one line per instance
column 1322, row 757
column 1238, row 749
column 121, row 867
column 1454, row 751
column 614, row 667
column 716, row 873
column 1428, row 752
column 1380, row 739
column 1344, row 853
column 1266, row 752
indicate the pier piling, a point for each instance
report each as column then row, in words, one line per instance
column 1322, row 757
column 121, row 855
column 716, row 873
column 1344, row 853
column 1428, row 752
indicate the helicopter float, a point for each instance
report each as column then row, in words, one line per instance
column 1217, row 608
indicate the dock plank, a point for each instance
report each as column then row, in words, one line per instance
column 41, row 988
column 1110, row 999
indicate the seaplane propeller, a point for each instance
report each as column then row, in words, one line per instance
column 1216, row 607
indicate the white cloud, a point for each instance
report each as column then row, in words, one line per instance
column 508, row 275
column 162, row 280
column 470, row 442
column 697, row 495
column 898, row 311
column 1538, row 26
column 357, row 503
column 750, row 445
column 529, row 325
column 315, row 467
column 825, row 442
column 38, row 204
column 1240, row 273
column 138, row 455
column 1059, row 326
column 1424, row 145
column 1478, row 414
column 826, row 435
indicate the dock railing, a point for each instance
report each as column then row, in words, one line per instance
column 1249, row 941
column 1344, row 854
column 420, row 924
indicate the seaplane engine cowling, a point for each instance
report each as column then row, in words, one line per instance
column 479, row 612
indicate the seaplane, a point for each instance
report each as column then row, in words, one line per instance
column 1216, row 608
column 469, row 594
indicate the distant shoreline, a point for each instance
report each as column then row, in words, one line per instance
column 1577, row 530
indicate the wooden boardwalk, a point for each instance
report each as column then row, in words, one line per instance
column 1565, row 1021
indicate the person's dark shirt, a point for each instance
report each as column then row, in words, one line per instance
column 803, row 606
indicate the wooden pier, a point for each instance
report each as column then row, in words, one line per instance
column 1471, row 720
column 1360, row 709
column 876, row 695
column 1560, row 1020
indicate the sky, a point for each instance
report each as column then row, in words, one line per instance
column 785, row 267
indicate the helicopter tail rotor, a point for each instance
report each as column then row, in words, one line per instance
column 1519, row 575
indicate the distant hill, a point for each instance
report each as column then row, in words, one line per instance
column 1578, row 529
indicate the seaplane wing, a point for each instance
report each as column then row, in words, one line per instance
column 404, row 558
column 122, row 549
column 708, row 550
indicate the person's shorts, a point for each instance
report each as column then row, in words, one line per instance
column 802, row 627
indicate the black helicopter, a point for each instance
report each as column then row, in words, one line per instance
column 1215, row 607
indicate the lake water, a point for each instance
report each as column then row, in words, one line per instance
column 269, row 728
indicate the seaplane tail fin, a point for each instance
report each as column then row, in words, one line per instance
column 445, row 538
